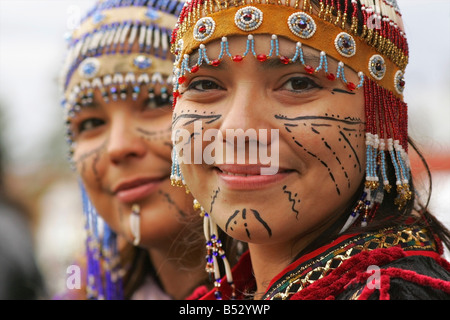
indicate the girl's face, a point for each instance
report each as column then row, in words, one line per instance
column 314, row 128
column 123, row 156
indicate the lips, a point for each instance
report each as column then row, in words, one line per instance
column 248, row 177
column 136, row 189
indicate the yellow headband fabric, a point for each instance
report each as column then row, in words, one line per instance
column 275, row 17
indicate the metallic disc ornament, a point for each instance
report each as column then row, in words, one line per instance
column 399, row 82
column 89, row 68
column 142, row 62
column 204, row 28
column 302, row 25
column 377, row 67
column 248, row 18
column 345, row 44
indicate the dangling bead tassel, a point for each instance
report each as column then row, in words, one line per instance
column 101, row 247
column 356, row 211
column 214, row 252
column 135, row 223
column 113, row 272
column 94, row 281
column 175, row 175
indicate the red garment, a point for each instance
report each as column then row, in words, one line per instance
column 394, row 263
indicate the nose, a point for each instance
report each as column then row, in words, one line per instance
column 246, row 126
column 125, row 142
column 247, row 115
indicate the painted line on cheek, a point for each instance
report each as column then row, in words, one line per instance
column 353, row 150
column 342, row 91
column 258, row 217
column 231, row 218
column 214, row 199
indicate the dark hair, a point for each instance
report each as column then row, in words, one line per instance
column 137, row 262
column 415, row 212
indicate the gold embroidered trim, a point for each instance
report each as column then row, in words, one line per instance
column 387, row 238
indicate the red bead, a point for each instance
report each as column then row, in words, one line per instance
column 351, row 86
column 284, row 60
column 237, row 58
column 202, row 29
column 215, row 62
column 195, row 68
column 309, row 69
column 176, row 94
column 248, row 17
column 261, row 57
column 331, row 77
column 181, row 79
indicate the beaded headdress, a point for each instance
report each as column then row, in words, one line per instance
column 364, row 35
column 121, row 48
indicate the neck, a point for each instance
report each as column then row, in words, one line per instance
column 179, row 271
column 268, row 260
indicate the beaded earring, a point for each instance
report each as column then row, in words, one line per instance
column 135, row 223
column 214, row 251
column 104, row 274
column 176, row 177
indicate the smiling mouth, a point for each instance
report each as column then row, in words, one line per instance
column 137, row 190
column 248, row 177
column 246, row 170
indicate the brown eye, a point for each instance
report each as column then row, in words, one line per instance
column 204, row 85
column 89, row 124
column 299, row 84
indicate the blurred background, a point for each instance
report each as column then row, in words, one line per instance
column 37, row 173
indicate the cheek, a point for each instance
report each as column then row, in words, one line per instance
column 332, row 147
column 90, row 162
column 157, row 134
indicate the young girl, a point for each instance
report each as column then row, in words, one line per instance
column 142, row 234
column 290, row 130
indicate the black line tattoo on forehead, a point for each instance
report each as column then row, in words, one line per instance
column 293, row 200
column 234, row 218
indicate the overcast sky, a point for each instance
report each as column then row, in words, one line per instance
column 32, row 48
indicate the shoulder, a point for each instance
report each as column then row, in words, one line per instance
column 416, row 277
